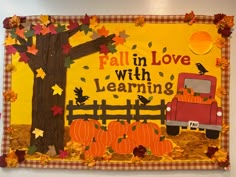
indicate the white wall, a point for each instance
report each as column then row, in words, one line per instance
column 106, row 7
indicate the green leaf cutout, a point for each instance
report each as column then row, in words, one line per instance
column 150, row 98
column 164, row 49
column 29, row 33
column 172, row 77
column 134, row 128
column 119, row 140
column 161, row 74
column 150, row 44
column 115, row 96
column 32, row 149
column 86, row 67
column 134, row 46
column 107, row 77
column 83, row 79
column 156, row 131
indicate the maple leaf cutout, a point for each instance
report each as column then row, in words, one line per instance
column 51, row 151
column 72, row 25
column 10, row 49
column 94, row 22
column 44, row 19
column 57, row 90
column 38, row 133
column 118, row 40
column 140, row 21
column 190, row 18
column 63, row 154
column 57, row 110
column 85, row 20
column 102, row 31
column 9, row 41
column 20, row 32
column 52, row 29
column 104, row 49
column 45, row 30
column 37, row 29
column 223, row 63
column 32, row 49
column 66, row 48
column 23, row 57
column 40, row 73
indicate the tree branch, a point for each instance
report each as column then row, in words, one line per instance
column 90, row 47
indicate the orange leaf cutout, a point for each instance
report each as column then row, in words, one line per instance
column 32, row 49
column 140, row 21
column 45, row 30
column 103, row 32
column 118, row 40
column 223, row 63
column 220, row 42
column 20, row 32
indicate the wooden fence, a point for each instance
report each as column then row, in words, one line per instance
column 158, row 110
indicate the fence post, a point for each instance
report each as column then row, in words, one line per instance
column 70, row 108
column 163, row 108
column 137, row 110
column 128, row 110
column 95, row 110
column 104, row 113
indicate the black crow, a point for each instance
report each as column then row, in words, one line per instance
column 143, row 99
column 80, row 99
column 201, row 68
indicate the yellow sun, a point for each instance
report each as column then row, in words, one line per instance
column 200, row 42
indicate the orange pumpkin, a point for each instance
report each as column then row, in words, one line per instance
column 186, row 91
column 104, row 136
column 118, row 128
column 83, row 131
column 144, row 133
column 94, row 149
column 123, row 145
column 162, row 147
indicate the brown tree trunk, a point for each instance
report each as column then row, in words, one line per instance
column 51, row 59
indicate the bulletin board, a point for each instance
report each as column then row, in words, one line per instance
column 117, row 92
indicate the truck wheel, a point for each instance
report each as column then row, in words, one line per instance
column 172, row 130
column 212, row 134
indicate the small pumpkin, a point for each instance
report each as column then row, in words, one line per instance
column 94, row 149
column 186, row 91
column 118, row 127
column 123, row 145
column 104, row 136
column 144, row 133
column 159, row 148
column 83, row 130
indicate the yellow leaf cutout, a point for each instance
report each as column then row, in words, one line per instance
column 9, row 41
column 40, row 73
column 44, row 19
column 57, row 90
column 38, row 133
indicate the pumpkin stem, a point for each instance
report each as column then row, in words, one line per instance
column 104, row 128
column 162, row 137
column 145, row 121
column 94, row 140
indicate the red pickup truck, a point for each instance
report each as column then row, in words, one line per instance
column 194, row 106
